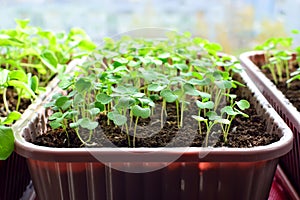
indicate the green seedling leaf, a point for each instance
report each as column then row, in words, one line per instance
column 83, row 85
column 154, row 97
column 138, row 95
column 204, row 95
column 20, row 84
column 70, row 114
column 6, row 142
column 99, row 105
column 168, row 95
column 231, row 96
column 190, row 90
column 213, row 47
column 198, row 40
column 145, row 60
column 74, row 125
column 295, row 31
column 202, row 82
column 103, row 98
column 65, row 84
column 87, row 123
column 125, row 102
column 146, row 101
column 199, row 118
column 223, row 121
column 205, row 105
column 177, row 80
column 11, row 117
column 49, row 59
column 72, row 94
column 60, row 101
column 3, row 76
column 241, row 113
column 229, row 111
column 117, row 118
column 63, row 102
column 149, row 75
column 138, row 111
column 120, row 61
column 67, row 105
column 34, row 83
column 283, row 55
column 164, row 55
column 217, row 75
column 297, row 72
column 94, row 111
column 181, row 67
column 134, row 63
column 212, row 116
column 187, row 34
column 87, row 45
column 243, row 104
column 154, row 87
column 223, row 84
column 236, row 83
column 125, row 90
column 55, row 124
column 6, row 40
column 55, row 115
column 157, row 62
column 56, row 96
column 120, row 69
column 202, row 65
column 78, row 98
column 295, row 77
column 22, row 23
column 273, row 60
column 18, row 75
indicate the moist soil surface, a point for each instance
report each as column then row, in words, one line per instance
column 12, row 99
column 292, row 92
column 245, row 132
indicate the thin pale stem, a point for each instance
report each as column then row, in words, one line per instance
column 5, row 100
column 134, row 131
column 19, row 100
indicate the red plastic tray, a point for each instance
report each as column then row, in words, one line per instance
column 281, row 189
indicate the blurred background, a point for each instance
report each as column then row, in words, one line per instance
column 237, row 24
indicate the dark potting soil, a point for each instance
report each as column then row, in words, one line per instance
column 12, row 99
column 292, row 92
column 245, row 132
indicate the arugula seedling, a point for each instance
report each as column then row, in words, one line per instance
column 130, row 76
column 210, row 122
column 277, row 56
column 231, row 111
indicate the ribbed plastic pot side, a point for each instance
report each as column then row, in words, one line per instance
column 14, row 172
column 198, row 173
column 14, row 177
column 290, row 163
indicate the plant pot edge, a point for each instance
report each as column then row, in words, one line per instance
column 271, row 150
column 265, row 84
column 290, row 162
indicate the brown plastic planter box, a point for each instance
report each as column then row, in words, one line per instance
column 281, row 187
column 14, row 177
column 197, row 173
column 291, row 162
column 14, row 172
